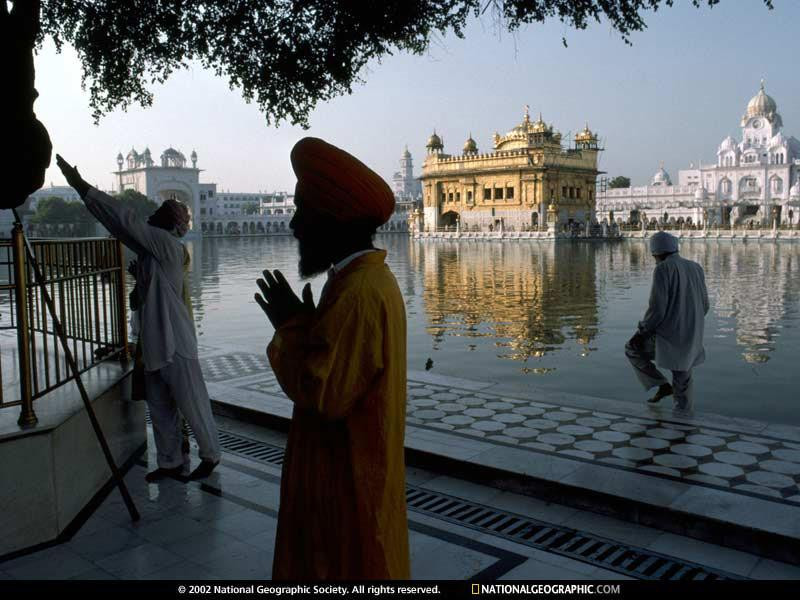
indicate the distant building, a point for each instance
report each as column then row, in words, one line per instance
column 755, row 180
column 407, row 194
column 64, row 192
column 528, row 181
column 218, row 213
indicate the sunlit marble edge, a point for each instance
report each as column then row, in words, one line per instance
column 63, row 402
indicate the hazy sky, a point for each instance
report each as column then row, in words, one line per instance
column 671, row 97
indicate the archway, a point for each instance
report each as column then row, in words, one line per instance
column 449, row 219
column 260, row 227
column 534, row 219
column 219, row 228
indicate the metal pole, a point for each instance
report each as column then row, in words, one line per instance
column 123, row 489
column 27, row 417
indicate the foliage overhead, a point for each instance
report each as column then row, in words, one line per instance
column 619, row 182
column 287, row 55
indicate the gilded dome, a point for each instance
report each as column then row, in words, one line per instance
column 470, row 147
column 761, row 105
column 585, row 136
column 434, row 142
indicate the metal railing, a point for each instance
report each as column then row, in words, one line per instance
column 86, row 280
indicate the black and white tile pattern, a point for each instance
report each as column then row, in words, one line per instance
column 233, row 366
column 765, row 467
column 762, row 466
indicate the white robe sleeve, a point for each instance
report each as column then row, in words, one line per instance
column 123, row 223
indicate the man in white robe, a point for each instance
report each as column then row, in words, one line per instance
column 671, row 331
column 173, row 379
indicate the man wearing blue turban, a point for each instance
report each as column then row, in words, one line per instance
column 672, row 329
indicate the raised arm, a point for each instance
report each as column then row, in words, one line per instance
column 122, row 222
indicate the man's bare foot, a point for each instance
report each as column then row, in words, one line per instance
column 664, row 390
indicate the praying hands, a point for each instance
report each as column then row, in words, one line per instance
column 278, row 300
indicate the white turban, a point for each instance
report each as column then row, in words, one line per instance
column 663, row 243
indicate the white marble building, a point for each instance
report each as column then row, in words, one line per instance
column 754, row 181
column 217, row 213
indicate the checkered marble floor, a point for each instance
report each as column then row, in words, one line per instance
column 233, row 366
column 760, row 466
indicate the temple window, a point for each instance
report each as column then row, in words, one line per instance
column 498, row 193
column 469, row 196
column 458, row 196
column 450, row 197
column 564, row 192
column 578, row 192
column 509, row 193
column 487, row 193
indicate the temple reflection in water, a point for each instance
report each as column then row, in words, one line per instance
column 532, row 298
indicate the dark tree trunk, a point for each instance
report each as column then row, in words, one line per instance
column 26, row 146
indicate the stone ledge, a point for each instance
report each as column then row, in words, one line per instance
column 57, row 467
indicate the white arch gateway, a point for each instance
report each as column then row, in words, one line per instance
column 212, row 213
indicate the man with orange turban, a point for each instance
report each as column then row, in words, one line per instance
column 343, row 364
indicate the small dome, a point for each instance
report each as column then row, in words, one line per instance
column 193, row 155
column 434, row 142
column 470, row 146
column 120, row 158
column 761, row 105
column 171, row 152
column 729, row 143
column 661, row 178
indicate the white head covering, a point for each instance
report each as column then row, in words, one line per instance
column 663, row 243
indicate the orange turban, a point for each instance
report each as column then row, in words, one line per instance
column 336, row 183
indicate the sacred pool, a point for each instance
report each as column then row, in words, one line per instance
column 547, row 315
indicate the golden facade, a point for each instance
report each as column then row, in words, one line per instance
column 528, row 182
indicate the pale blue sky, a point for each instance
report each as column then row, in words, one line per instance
column 672, row 97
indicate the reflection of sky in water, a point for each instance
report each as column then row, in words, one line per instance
column 547, row 315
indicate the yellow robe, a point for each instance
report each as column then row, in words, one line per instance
column 343, row 507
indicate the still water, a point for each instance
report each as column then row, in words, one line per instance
column 548, row 316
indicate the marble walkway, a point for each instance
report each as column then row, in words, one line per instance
column 735, row 471
column 224, row 528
